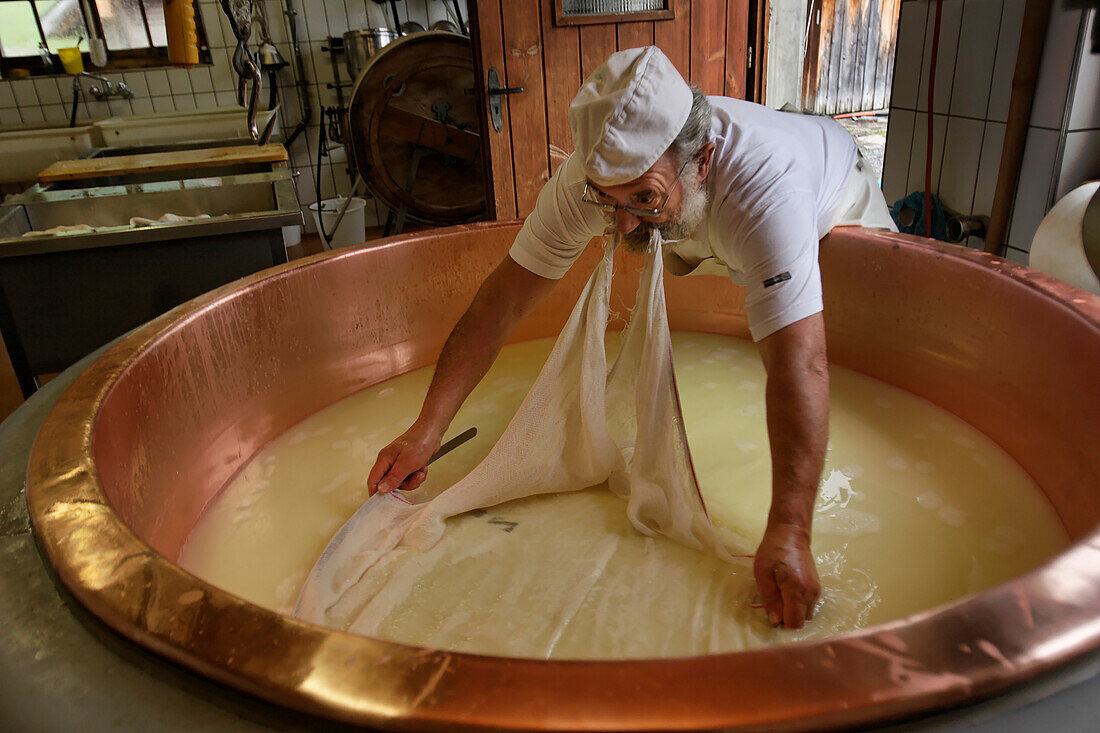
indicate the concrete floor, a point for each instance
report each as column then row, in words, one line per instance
column 870, row 135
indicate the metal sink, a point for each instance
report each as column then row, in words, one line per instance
column 172, row 127
column 234, row 203
column 63, row 295
column 27, row 149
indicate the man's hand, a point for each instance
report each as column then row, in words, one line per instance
column 401, row 463
column 785, row 575
column 503, row 300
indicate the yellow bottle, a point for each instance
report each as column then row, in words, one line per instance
column 183, row 40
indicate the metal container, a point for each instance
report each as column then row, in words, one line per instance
column 146, row 437
column 445, row 25
column 359, row 46
column 64, row 295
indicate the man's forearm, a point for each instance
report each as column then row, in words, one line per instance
column 798, row 428
column 468, row 353
column 797, row 398
column 503, row 300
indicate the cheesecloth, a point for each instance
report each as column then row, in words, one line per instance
column 581, row 424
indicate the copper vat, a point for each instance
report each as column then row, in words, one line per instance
column 143, row 440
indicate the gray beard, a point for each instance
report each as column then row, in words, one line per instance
column 692, row 211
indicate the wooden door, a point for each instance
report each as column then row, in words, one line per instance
column 709, row 42
column 849, row 62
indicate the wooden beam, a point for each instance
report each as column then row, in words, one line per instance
column 121, row 165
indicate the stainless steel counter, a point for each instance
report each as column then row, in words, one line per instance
column 65, row 294
column 234, row 203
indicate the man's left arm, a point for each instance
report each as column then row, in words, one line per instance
column 797, row 399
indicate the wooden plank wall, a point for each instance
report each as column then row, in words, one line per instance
column 706, row 41
column 849, row 60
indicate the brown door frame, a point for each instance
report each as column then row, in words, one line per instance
column 757, row 73
column 499, row 199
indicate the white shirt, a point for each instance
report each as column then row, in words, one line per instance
column 775, row 183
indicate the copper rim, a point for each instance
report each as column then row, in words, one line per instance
column 115, row 479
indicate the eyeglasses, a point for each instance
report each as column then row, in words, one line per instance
column 590, row 196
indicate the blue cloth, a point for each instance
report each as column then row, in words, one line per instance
column 915, row 203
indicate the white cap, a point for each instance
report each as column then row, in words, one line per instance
column 627, row 113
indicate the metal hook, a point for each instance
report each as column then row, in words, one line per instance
column 244, row 63
column 247, row 68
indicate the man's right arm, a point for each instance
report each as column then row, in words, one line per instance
column 503, row 300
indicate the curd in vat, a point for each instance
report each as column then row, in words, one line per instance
column 916, row 508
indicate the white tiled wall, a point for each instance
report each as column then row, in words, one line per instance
column 1086, row 97
column 977, row 57
column 1081, row 150
column 961, row 154
column 1036, row 170
column 980, row 29
column 918, row 150
column 159, row 90
column 949, row 53
column 989, row 164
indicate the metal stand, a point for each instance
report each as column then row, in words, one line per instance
column 396, row 219
column 334, row 47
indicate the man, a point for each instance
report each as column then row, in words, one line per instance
column 746, row 192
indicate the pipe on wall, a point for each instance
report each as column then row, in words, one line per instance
column 1032, row 35
column 961, row 227
column 290, row 15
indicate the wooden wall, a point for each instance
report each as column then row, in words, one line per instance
column 849, row 64
column 707, row 41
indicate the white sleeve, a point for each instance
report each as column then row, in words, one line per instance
column 777, row 249
column 556, row 232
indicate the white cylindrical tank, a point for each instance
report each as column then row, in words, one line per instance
column 1059, row 249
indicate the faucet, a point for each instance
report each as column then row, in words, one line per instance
column 109, row 89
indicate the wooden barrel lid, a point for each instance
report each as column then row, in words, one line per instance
column 413, row 109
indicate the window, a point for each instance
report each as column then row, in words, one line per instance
column 580, row 12
column 133, row 31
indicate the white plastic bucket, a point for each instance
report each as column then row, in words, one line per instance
column 292, row 235
column 352, row 229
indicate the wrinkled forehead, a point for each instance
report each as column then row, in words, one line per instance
column 660, row 176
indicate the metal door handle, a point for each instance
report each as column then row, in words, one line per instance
column 494, row 93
